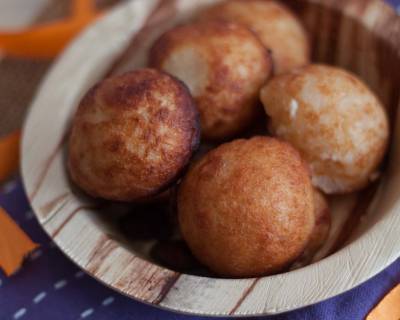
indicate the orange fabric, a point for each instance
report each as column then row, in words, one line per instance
column 48, row 40
column 41, row 41
column 388, row 308
column 9, row 154
column 14, row 244
column 83, row 8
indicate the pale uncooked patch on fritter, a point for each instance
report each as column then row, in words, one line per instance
column 188, row 64
column 246, row 208
column 223, row 64
column 340, row 127
column 132, row 136
column 294, row 106
column 328, row 184
column 275, row 25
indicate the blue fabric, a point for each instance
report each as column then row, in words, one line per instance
column 49, row 286
column 395, row 3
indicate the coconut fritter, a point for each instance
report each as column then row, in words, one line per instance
column 246, row 208
column 276, row 26
column 334, row 120
column 132, row 135
column 224, row 65
column 320, row 231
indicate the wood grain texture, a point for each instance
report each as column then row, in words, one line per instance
column 360, row 35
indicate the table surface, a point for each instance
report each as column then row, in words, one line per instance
column 49, row 286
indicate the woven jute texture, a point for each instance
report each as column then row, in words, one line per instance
column 19, row 78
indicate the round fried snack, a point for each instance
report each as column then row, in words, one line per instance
column 320, row 231
column 334, row 120
column 132, row 135
column 275, row 25
column 224, row 65
column 246, row 208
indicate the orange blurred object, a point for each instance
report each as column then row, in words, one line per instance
column 15, row 245
column 9, row 154
column 48, row 40
column 40, row 41
column 388, row 308
column 83, row 8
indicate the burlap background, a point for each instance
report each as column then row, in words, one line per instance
column 19, row 78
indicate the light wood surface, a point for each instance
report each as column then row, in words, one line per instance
column 361, row 35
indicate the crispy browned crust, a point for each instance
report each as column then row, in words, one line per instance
column 322, row 220
column 275, row 25
column 246, row 208
column 234, row 66
column 338, row 125
column 321, row 228
column 132, row 135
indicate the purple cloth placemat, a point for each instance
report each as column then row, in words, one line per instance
column 49, row 286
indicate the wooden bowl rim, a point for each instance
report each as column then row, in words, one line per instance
column 235, row 297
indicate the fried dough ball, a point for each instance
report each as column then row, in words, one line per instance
column 320, row 231
column 224, row 65
column 132, row 135
column 275, row 25
column 246, row 208
column 334, row 120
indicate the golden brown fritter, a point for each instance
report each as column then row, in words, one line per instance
column 320, row 231
column 275, row 25
column 132, row 135
column 334, row 120
column 246, row 208
column 223, row 64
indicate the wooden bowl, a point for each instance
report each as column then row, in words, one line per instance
column 360, row 35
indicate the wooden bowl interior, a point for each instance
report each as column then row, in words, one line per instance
column 361, row 36
column 338, row 38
